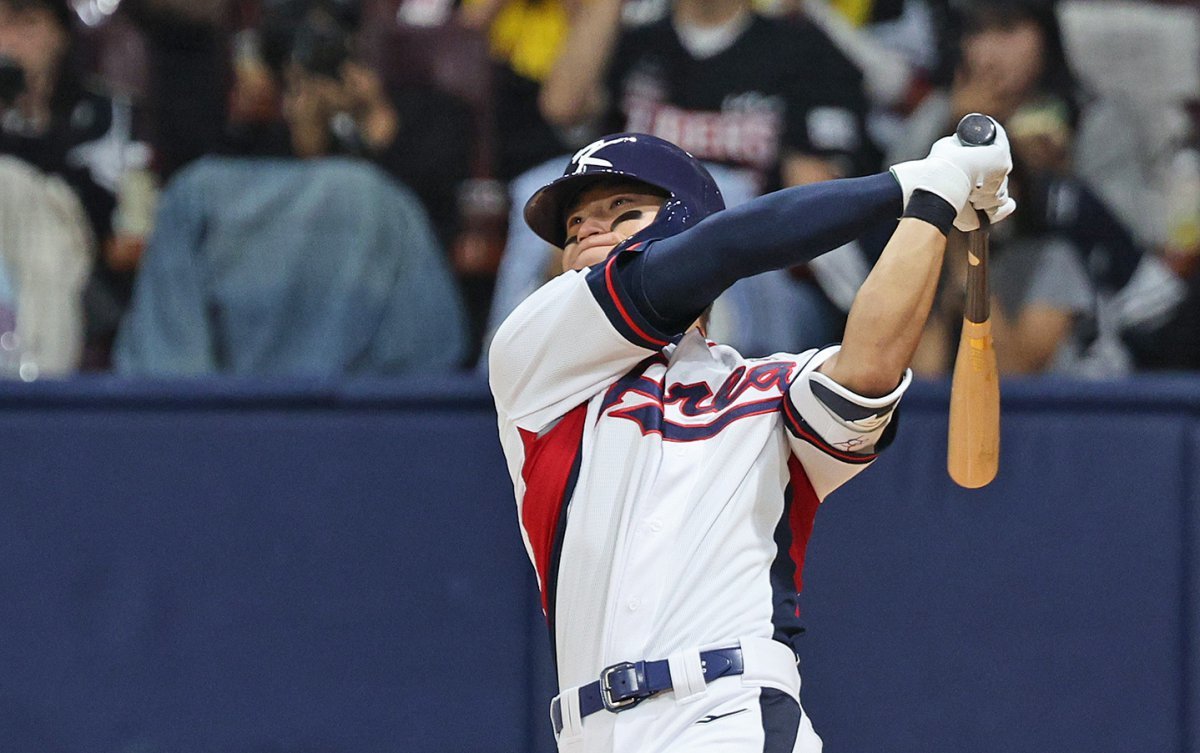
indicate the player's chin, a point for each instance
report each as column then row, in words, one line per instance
column 588, row 254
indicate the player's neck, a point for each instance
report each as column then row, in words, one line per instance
column 709, row 12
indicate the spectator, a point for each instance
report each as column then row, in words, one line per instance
column 1009, row 54
column 1171, row 344
column 9, row 357
column 1137, row 117
column 1029, row 86
column 766, row 102
column 1169, row 338
column 1041, row 293
column 525, row 37
column 299, row 85
column 774, row 98
column 895, row 44
column 46, row 241
column 291, row 267
column 188, row 77
column 335, row 103
column 63, row 127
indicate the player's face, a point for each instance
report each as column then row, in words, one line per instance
column 603, row 216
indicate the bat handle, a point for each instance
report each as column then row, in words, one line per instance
column 976, row 129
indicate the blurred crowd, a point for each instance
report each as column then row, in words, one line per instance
column 326, row 187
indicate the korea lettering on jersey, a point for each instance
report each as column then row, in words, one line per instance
column 665, row 489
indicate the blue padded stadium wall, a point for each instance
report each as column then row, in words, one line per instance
column 264, row 567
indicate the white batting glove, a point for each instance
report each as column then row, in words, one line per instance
column 996, row 205
column 985, row 166
column 960, row 174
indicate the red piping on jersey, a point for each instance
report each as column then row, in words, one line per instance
column 546, row 472
column 801, row 515
column 612, row 292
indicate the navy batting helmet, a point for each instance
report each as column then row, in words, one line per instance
column 692, row 192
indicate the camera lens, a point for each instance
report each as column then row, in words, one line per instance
column 12, row 80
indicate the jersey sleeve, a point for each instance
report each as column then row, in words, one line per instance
column 836, row 433
column 565, row 343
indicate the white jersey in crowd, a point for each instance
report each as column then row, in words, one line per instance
column 665, row 490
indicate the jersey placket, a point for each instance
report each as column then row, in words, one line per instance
column 651, row 557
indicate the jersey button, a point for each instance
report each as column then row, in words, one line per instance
column 634, row 604
column 656, row 525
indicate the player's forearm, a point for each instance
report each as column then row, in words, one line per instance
column 889, row 313
column 570, row 93
column 677, row 277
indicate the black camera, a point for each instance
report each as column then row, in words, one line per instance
column 321, row 47
column 12, row 80
column 316, row 35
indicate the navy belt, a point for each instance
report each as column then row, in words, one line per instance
column 625, row 685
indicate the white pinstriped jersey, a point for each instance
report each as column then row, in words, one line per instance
column 665, row 490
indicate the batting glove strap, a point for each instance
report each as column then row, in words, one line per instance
column 932, row 209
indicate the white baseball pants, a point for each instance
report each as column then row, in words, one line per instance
column 756, row 712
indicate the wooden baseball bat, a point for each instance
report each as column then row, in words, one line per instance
column 973, row 451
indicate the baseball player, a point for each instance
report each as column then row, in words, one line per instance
column 665, row 485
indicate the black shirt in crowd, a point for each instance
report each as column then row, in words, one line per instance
column 781, row 85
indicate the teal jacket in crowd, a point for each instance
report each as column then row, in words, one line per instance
column 289, row 267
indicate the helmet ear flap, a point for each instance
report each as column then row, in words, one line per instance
column 677, row 212
column 673, row 217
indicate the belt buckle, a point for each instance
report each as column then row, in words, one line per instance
column 625, row 698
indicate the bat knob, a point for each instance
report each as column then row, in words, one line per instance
column 976, row 129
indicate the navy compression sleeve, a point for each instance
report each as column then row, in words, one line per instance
column 674, row 279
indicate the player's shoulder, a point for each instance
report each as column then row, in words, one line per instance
column 560, row 285
column 547, row 303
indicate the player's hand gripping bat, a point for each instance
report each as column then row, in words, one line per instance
column 973, row 455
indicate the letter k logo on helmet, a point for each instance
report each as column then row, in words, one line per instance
column 584, row 158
